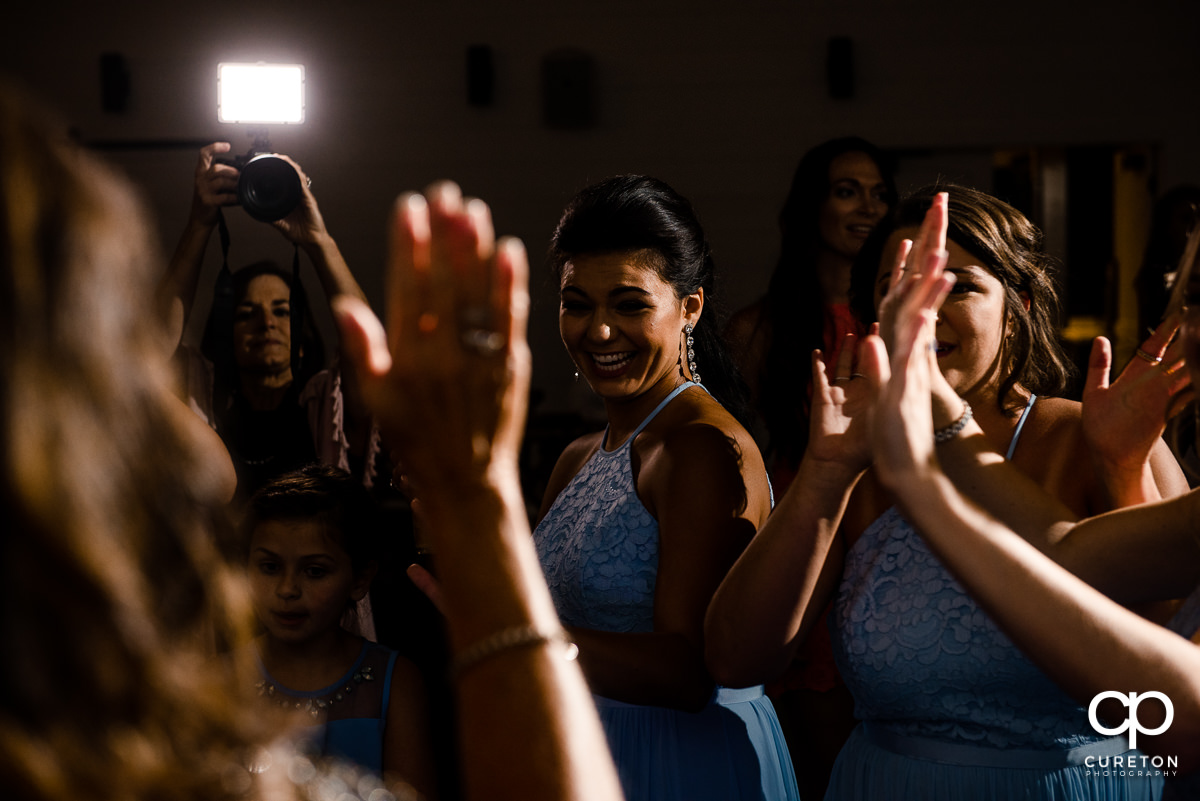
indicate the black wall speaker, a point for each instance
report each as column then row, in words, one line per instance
column 839, row 67
column 481, row 75
column 114, row 83
column 568, row 90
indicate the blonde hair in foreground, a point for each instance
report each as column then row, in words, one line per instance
column 114, row 590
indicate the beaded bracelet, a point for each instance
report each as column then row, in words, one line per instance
column 951, row 431
column 506, row 640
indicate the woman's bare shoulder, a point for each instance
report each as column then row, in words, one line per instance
column 1052, row 449
column 703, row 441
column 1053, row 420
column 701, row 417
column 1061, row 409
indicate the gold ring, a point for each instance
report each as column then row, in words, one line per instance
column 1146, row 357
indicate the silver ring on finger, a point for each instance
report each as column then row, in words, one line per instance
column 843, row 378
column 857, row 375
column 482, row 341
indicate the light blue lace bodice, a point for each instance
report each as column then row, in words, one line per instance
column 922, row 659
column 599, row 546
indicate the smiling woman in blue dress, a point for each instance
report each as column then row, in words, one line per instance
column 641, row 521
column 1071, row 624
column 950, row 707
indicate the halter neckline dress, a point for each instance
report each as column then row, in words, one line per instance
column 950, row 708
column 598, row 546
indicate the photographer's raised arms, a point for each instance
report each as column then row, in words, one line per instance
column 260, row 376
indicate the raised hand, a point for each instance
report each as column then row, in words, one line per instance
column 1123, row 420
column 215, row 184
column 903, row 417
column 449, row 379
column 304, row 225
column 914, row 260
column 839, row 427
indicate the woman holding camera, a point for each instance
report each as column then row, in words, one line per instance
column 258, row 378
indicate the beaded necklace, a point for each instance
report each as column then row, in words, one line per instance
column 316, row 706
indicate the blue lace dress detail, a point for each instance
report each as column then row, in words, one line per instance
column 950, row 707
column 598, row 547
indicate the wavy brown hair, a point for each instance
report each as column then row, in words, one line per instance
column 113, row 587
column 1008, row 246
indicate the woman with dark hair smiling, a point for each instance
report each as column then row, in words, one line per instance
column 641, row 521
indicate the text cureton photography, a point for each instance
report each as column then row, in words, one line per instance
column 1131, row 764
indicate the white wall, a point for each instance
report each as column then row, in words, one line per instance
column 719, row 99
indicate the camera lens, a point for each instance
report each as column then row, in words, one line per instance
column 269, row 188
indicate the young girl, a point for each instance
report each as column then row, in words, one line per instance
column 312, row 554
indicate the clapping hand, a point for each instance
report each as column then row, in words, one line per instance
column 449, row 379
column 903, row 418
column 1124, row 419
column 839, row 427
column 914, row 260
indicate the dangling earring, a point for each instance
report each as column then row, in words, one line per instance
column 691, row 352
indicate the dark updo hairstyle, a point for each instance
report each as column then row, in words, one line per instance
column 328, row 495
column 1009, row 247
column 633, row 213
column 794, row 307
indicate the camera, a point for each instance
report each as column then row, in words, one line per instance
column 268, row 187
